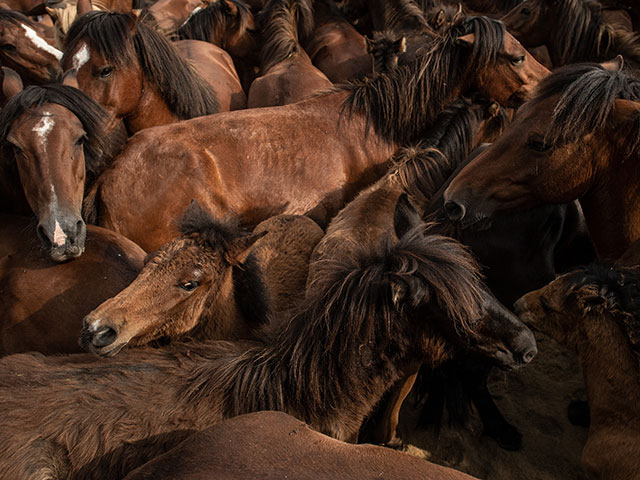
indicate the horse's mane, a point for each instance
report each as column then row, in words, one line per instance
column 93, row 117
column 402, row 104
column 282, row 21
column 214, row 17
column 313, row 363
column 582, row 35
column 15, row 17
column 186, row 93
column 404, row 15
column 587, row 97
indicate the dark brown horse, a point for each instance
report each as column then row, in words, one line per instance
column 384, row 48
column 286, row 72
column 24, row 50
column 256, row 164
column 364, row 323
column 134, row 72
column 274, row 445
column 572, row 30
column 52, row 139
column 576, row 140
column 595, row 311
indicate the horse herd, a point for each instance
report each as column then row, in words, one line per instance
column 267, row 222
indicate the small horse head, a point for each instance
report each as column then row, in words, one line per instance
column 181, row 285
column 26, row 51
column 385, row 47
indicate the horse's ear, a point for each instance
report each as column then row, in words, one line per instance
column 53, row 13
column 614, row 65
column 11, row 83
column 466, row 40
column 400, row 45
column 441, row 17
column 407, row 288
column 493, row 110
column 241, row 248
column 405, row 216
column 132, row 20
column 370, row 44
column 70, row 79
column 82, row 7
column 231, row 7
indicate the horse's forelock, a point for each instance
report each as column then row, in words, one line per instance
column 212, row 17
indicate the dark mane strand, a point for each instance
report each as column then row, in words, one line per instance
column 216, row 232
column 204, row 22
column 93, row 117
column 402, row 104
column 250, row 293
column 15, row 17
column 284, row 24
column 186, row 93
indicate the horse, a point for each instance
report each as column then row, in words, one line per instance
column 577, row 139
column 11, row 84
column 230, row 25
column 53, row 143
column 286, row 72
column 234, row 449
column 594, row 310
column 26, row 51
column 166, row 16
column 417, row 299
column 134, row 72
column 384, row 48
column 48, row 319
column 253, row 162
column 573, row 31
column 335, row 46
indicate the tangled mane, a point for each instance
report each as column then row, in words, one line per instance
column 587, row 97
column 350, row 326
column 283, row 23
column 93, row 117
column 582, row 35
column 186, row 93
column 402, row 104
column 204, row 23
column 404, row 15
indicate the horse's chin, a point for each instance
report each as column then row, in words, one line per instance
column 64, row 254
column 108, row 351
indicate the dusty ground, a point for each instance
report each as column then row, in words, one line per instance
column 535, row 400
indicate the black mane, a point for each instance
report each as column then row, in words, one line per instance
column 204, row 22
column 186, row 93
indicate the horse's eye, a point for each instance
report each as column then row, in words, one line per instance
column 189, row 286
column 525, row 11
column 106, row 71
column 518, row 60
column 81, row 140
column 7, row 47
column 538, row 145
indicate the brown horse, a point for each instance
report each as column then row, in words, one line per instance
column 10, row 84
column 134, row 72
column 595, row 311
column 24, row 50
column 385, row 47
column 48, row 318
column 572, row 30
column 286, row 72
column 166, row 16
column 274, row 445
column 255, row 163
column 576, row 140
column 364, row 324
column 230, row 25
column 52, row 139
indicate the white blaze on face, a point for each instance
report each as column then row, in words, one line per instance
column 42, row 129
column 59, row 237
column 40, row 42
column 81, row 57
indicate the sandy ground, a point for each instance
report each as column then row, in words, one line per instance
column 534, row 399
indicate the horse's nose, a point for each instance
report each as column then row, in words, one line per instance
column 104, row 336
column 454, row 211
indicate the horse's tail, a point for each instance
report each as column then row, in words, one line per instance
column 90, row 204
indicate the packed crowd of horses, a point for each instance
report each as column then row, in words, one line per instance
column 236, row 235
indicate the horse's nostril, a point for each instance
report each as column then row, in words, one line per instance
column 454, row 211
column 42, row 235
column 104, row 336
column 528, row 356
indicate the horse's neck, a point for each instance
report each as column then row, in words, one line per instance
column 152, row 110
column 610, row 370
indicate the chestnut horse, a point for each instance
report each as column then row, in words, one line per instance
column 24, row 50
column 51, row 139
column 366, row 321
column 255, row 163
column 273, row 446
column 134, row 72
column 577, row 139
column 286, row 72
column 48, row 318
column 572, row 30
column 595, row 311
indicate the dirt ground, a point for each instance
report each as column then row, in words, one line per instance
column 535, row 400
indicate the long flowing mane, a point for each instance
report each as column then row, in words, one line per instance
column 587, row 95
column 284, row 23
column 216, row 16
column 582, row 35
column 400, row 105
column 186, row 93
column 314, row 362
column 92, row 116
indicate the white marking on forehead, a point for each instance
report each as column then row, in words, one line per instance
column 195, row 10
column 81, row 57
column 42, row 129
column 59, row 237
column 41, row 42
